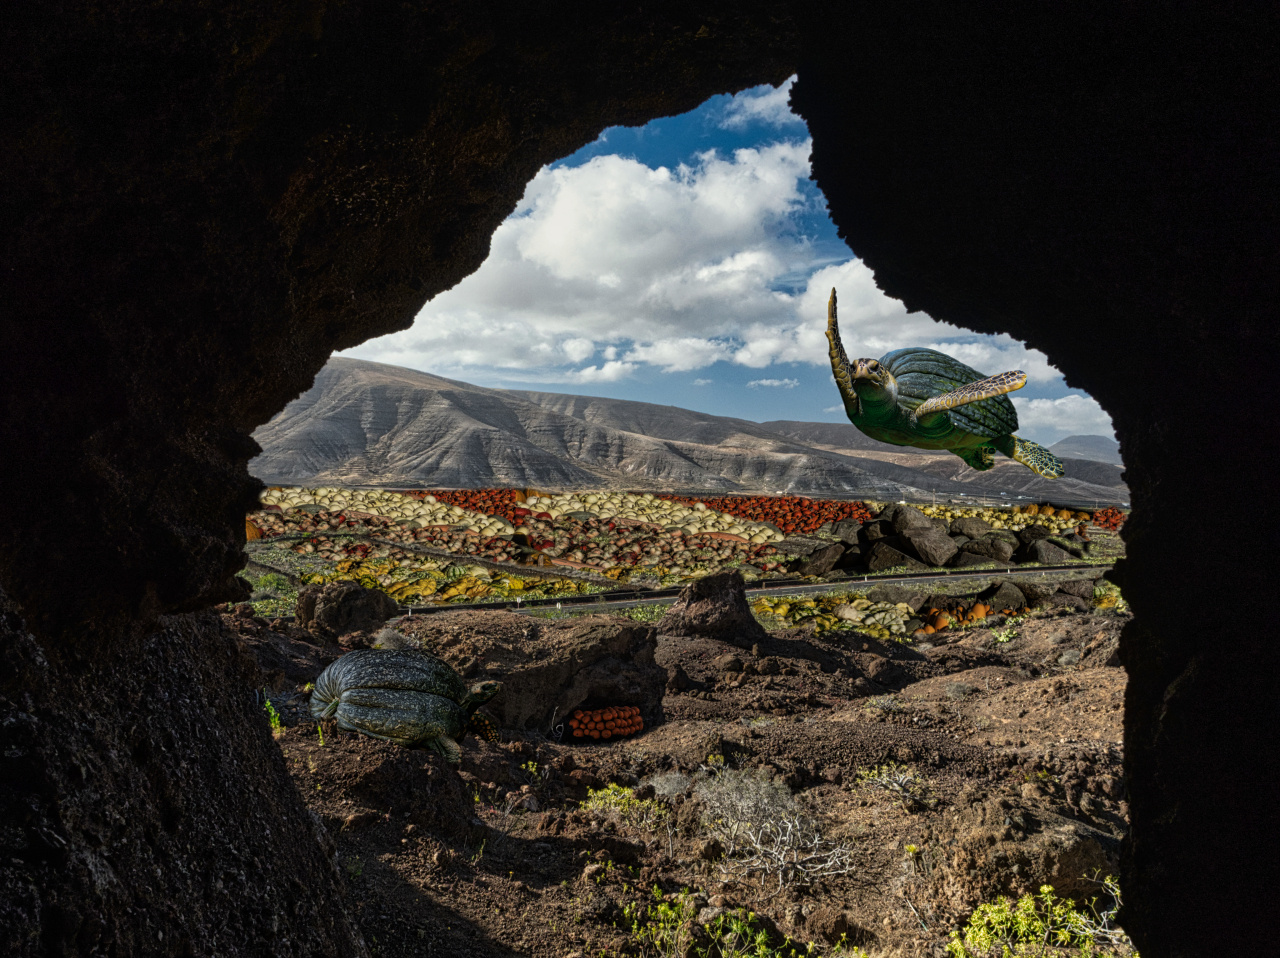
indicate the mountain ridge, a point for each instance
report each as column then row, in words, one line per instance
column 371, row 423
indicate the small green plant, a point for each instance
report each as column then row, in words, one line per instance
column 662, row 927
column 620, row 803
column 272, row 716
column 320, row 732
column 309, row 687
column 665, row 926
column 910, row 787
column 645, row 613
column 1040, row 777
column 714, row 764
column 1044, row 925
column 273, row 581
column 884, row 703
column 1004, row 635
column 534, row 774
column 355, row 867
column 475, row 859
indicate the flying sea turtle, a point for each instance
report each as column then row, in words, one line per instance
column 405, row 696
column 921, row 397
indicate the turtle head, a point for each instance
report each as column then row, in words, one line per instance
column 872, row 381
column 481, row 692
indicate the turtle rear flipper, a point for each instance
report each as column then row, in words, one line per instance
column 1036, row 458
column 447, row 747
column 982, row 458
column 972, row 392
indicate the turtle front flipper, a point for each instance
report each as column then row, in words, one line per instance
column 1036, row 458
column 982, row 458
column 840, row 361
column 972, row 392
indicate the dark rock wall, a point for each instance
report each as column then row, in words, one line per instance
column 145, row 810
column 202, row 202
column 1101, row 182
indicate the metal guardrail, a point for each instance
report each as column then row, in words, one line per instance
column 628, row 598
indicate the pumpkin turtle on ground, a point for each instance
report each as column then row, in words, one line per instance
column 405, row 696
column 923, row 398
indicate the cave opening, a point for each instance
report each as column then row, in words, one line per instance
column 206, row 210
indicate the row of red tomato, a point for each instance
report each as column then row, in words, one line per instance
column 502, row 503
column 1110, row 519
column 791, row 514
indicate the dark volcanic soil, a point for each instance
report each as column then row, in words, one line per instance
column 1014, row 735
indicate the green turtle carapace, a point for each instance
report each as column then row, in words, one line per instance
column 406, row 696
column 923, row 398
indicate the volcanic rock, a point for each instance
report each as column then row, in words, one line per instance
column 902, row 517
column 930, row 546
column 885, row 556
column 1063, row 600
column 546, row 675
column 338, row 608
column 895, row 594
column 1042, row 551
column 823, row 560
column 1004, row 595
column 989, row 547
column 1037, row 595
column 962, row 560
column 873, row 531
column 1030, row 534
column 1081, row 587
column 714, row 606
column 970, row 526
column 847, row 531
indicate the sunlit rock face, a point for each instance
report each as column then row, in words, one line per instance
column 1018, row 174
column 202, row 206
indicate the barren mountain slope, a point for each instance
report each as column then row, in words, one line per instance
column 370, row 423
column 1095, row 448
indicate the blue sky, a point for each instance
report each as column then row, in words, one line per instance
column 688, row 262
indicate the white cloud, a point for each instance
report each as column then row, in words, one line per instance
column 611, row 266
column 702, row 382
column 578, row 349
column 672, row 263
column 763, row 104
column 833, row 409
column 608, row 373
column 1048, row 420
column 679, row 355
column 774, row 383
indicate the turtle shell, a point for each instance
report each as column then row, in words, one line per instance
column 410, row 670
column 398, row 715
column 924, row 373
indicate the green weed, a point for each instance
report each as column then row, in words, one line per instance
column 1043, row 925
column 903, row 781
column 272, row 715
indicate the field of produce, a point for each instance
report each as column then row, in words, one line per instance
column 435, row 547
